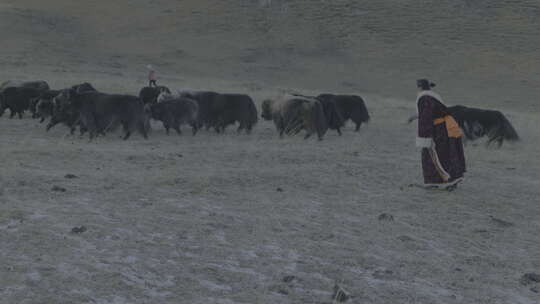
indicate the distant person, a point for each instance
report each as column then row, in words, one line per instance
column 439, row 136
column 151, row 76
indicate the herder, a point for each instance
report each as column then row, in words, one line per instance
column 440, row 137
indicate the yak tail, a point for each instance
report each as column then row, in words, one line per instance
column 504, row 131
column 509, row 132
column 364, row 114
column 253, row 115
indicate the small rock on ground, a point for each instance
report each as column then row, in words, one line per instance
column 386, row 217
column 405, row 238
column 501, row 223
column 58, row 189
column 289, row 278
column 529, row 278
column 383, row 275
column 78, row 229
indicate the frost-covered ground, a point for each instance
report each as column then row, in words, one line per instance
column 224, row 219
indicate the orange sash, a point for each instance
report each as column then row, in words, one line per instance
column 452, row 126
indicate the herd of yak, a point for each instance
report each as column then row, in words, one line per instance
column 97, row 112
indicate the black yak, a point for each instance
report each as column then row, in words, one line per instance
column 227, row 109
column 477, row 123
column 175, row 112
column 204, row 100
column 294, row 114
column 220, row 110
column 17, row 99
column 63, row 112
column 42, row 107
column 99, row 112
column 349, row 107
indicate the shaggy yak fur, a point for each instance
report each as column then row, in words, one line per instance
column 291, row 115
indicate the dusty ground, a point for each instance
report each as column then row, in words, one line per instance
column 225, row 219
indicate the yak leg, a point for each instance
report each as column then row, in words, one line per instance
column 127, row 130
column 281, row 131
column 166, row 126
column 90, row 124
column 50, row 125
column 319, row 135
column 218, row 127
column 82, row 129
column 142, row 129
column 176, row 126
column 194, row 128
column 281, row 127
column 240, row 128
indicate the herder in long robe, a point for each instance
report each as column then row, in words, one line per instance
column 440, row 137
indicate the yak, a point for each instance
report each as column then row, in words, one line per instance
column 227, row 109
column 100, row 112
column 204, row 100
column 333, row 116
column 477, row 123
column 218, row 110
column 348, row 107
column 63, row 112
column 45, row 100
column 290, row 115
column 175, row 112
column 17, row 99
